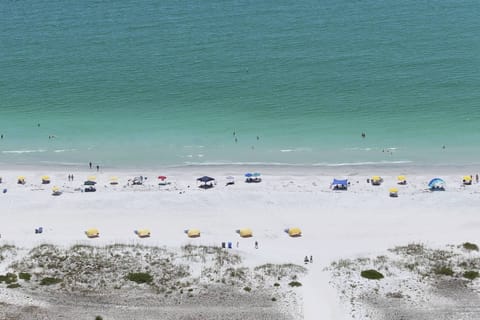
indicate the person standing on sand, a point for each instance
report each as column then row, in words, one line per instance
column 98, row 168
column 476, row 177
column 90, row 164
column 311, row 259
column 256, row 244
column 305, row 260
column 1, row 136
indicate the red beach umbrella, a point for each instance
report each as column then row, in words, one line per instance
column 162, row 177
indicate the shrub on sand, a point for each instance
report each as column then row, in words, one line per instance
column 443, row 271
column 9, row 278
column 295, row 284
column 470, row 275
column 470, row 246
column 140, row 277
column 25, row 276
column 50, row 281
column 371, row 274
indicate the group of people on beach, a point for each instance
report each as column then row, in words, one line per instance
column 306, row 260
column 97, row 166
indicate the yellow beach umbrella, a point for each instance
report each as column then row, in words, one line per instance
column 21, row 178
column 55, row 189
column 46, row 178
column 467, row 178
column 401, row 178
column 193, row 233
column 393, row 192
column 92, row 233
column 294, row 232
column 92, row 178
column 245, row 232
column 143, row 233
column 113, row 179
column 376, row 178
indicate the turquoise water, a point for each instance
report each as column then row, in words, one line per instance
column 145, row 83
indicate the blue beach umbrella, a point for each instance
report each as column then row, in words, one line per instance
column 436, row 184
column 248, row 175
column 256, row 174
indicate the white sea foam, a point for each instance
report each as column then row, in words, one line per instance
column 64, row 150
column 23, row 151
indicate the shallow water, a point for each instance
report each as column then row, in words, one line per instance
column 143, row 83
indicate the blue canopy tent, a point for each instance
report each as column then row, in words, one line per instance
column 253, row 177
column 436, row 184
column 339, row 184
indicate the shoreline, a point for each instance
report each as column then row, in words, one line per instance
column 275, row 169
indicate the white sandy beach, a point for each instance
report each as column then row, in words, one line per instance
column 335, row 224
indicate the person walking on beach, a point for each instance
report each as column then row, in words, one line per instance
column 69, row 178
column 1, row 136
column 98, row 167
column 311, row 259
column 476, row 177
column 305, row 260
column 90, row 164
column 256, row 244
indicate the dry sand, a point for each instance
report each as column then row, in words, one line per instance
column 361, row 221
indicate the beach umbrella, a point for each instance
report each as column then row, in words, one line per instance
column 162, row 177
column 248, row 175
column 245, row 233
column 45, row 178
column 193, row 233
column 401, row 178
column 113, row 179
column 393, row 192
column 205, row 179
column 92, row 178
column 294, row 232
column 143, row 233
column 92, row 233
column 21, row 178
column 436, row 184
column 256, row 174
column 467, row 180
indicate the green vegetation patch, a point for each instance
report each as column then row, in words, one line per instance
column 248, row 289
column 48, row 281
column 371, row 274
column 8, row 278
column 13, row 286
column 443, row 271
column 295, row 284
column 140, row 277
column 25, row 276
column 470, row 246
column 470, row 275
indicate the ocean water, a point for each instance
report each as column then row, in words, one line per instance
column 151, row 83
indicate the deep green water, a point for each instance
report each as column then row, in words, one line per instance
column 146, row 82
